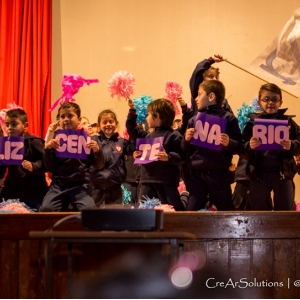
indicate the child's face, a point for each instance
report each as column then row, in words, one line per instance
column 269, row 102
column 108, row 125
column 203, row 100
column 15, row 127
column 85, row 124
column 68, row 119
column 211, row 74
column 153, row 122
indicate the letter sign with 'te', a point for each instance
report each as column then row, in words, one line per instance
column 149, row 148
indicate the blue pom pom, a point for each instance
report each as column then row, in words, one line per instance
column 255, row 105
column 149, row 203
column 141, row 105
column 126, row 195
column 243, row 113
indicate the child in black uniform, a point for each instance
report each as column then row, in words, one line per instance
column 25, row 182
column 210, row 173
column 271, row 170
column 159, row 179
column 106, row 183
column 70, row 176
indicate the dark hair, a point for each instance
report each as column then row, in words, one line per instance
column 211, row 68
column 165, row 109
column 216, row 87
column 107, row 112
column 73, row 105
column 270, row 87
column 17, row 113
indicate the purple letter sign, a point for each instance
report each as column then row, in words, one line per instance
column 270, row 132
column 208, row 131
column 149, row 148
column 72, row 144
column 11, row 150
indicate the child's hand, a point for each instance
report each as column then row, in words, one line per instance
column 130, row 103
column 137, row 154
column 181, row 101
column 254, row 142
column 93, row 145
column 53, row 126
column 27, row 165
column 162, row 155
column 219, row 58
column 224, row 139
column 286, row 144
column 53, row 143
column 189, row 134
column 297, row 158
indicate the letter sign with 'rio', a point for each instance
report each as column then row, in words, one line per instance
column 72, row 144
column 149, row 148
column 11, row 150
column 270, row 132
column 208, row 131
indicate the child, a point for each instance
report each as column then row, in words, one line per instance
column 25, row 182
column 209, row 169
column 159, row 179
column 69, row 175
column 106, row 183
column 271, row 170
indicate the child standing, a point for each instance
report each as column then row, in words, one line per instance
column 69, row 175
column 159, row 179
column 271, row 170
column 209, row 169
column 106, row 183
column 25, row 182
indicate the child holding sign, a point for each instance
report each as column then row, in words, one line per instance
column 210, row 146
column 25, row 181
column 106, row 183
column 160, row 174
column 70, row 176
column 273, row 167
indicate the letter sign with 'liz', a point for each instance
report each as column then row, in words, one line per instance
column 11, row 150
column 149, row 148
column 270, row 132
column 208, row 131
column 72, row 144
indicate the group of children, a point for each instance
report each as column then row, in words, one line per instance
column 97, row 180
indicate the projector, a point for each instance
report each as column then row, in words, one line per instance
column 115, row 219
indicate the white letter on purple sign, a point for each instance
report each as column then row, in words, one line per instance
column 82, row 144
column 281, row 129
column 214, row 135
column 14, row 152
column 72, row 143
column 144, row 148
column 154, row 151
column 260, row 131
column 63, row 147
column 201, row 132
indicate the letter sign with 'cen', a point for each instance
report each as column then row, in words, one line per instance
column 11, row 150
column 208, row 131
column 270, row 132
column 149, row 148
column 72, row 144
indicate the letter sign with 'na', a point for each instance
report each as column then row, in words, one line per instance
column 270, row 132
column 11, row 150
column 72, row 144
column 149, row 148
column 208, row 131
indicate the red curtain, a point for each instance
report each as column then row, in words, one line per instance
column 25, row 59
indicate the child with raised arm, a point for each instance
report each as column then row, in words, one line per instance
column 70, row 176
column 25, row 182
column 209, row 169
column 271, row 170
column 159, row 179
column 106, row 183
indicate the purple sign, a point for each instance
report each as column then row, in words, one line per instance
column 270, row 132
column 72, row 144
column 208, row 131
column 149, row 148
column 11, row 150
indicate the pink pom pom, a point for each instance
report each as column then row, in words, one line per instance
column 71, row 84
column 297, row 206
column 165, row 207
column 173, row 92
column 121, row 84
column 3, row 112
column 16, row 208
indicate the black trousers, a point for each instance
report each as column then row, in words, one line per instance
column 167, row 194
column 260, row 191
